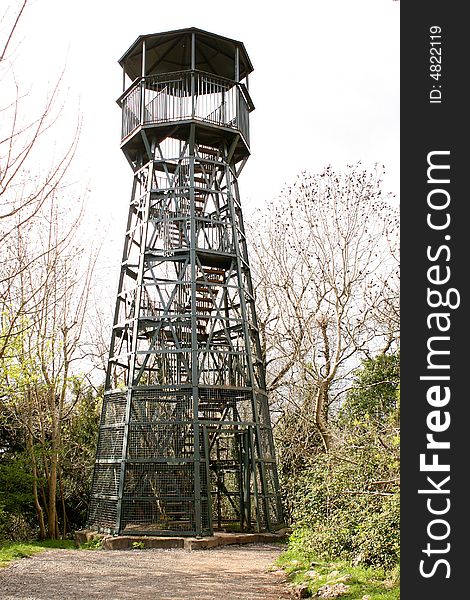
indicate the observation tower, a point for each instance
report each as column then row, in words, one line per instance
column 185, row 441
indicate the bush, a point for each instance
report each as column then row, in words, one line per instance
column 14, row 527
column 374, row 395
column 345, row 503
column 377, row 543
column 334, row 520
column 326, row 541
column 17, row 513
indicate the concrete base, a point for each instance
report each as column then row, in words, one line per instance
column 124, row 542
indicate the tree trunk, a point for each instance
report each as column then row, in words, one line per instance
column 64, row 512
column 321, row 421
column 34, row 470
column 52, row 493
column 37, row 504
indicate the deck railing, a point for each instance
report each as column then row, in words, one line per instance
column 185, row 95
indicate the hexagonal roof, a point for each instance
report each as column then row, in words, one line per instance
column 171, row 51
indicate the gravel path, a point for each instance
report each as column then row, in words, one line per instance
column 227, row 573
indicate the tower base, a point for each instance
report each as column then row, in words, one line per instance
column 222, row 538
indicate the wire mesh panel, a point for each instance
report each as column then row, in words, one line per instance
column 158, row 497
column 106, row 480
column 102, row 513
column 185, row 442
column 160, row 440
column 110, row 442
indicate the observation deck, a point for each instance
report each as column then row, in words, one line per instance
column 208, row 88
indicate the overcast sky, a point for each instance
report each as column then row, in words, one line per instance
column 325, row 83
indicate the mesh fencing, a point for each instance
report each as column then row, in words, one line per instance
column 157, row 474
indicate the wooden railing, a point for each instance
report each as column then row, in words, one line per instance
column 185, row 95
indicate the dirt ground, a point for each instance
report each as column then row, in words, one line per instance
column 227, row 573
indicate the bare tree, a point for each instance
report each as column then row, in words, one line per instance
column 325, row 269
column 41, row 387
column 46, row 266
column 25, row 188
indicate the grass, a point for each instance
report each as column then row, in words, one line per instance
column 361, row 581
column 14, row 550
column 95, row 544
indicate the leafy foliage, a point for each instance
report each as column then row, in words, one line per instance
column 346, row 501
column 297, row 442
column 18, row 519
column 374, row 393
column 79, row 438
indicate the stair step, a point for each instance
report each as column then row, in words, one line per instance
column 207, row 150
column 211, row 406
column 213, row 271
column 212, row 277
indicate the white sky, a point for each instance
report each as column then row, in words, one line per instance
column 325, row 85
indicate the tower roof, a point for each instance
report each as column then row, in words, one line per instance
column 171, row 51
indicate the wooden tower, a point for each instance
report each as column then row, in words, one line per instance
column 185, row 441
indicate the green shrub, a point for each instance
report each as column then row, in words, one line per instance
column 324, row 541
column 377, row 543
column 346, row 505
column 345, row 502
column 374, row 394
column 369, row 537
column 15, row 527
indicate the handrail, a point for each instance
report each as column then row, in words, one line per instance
column 185, row 95
column 171, row 74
